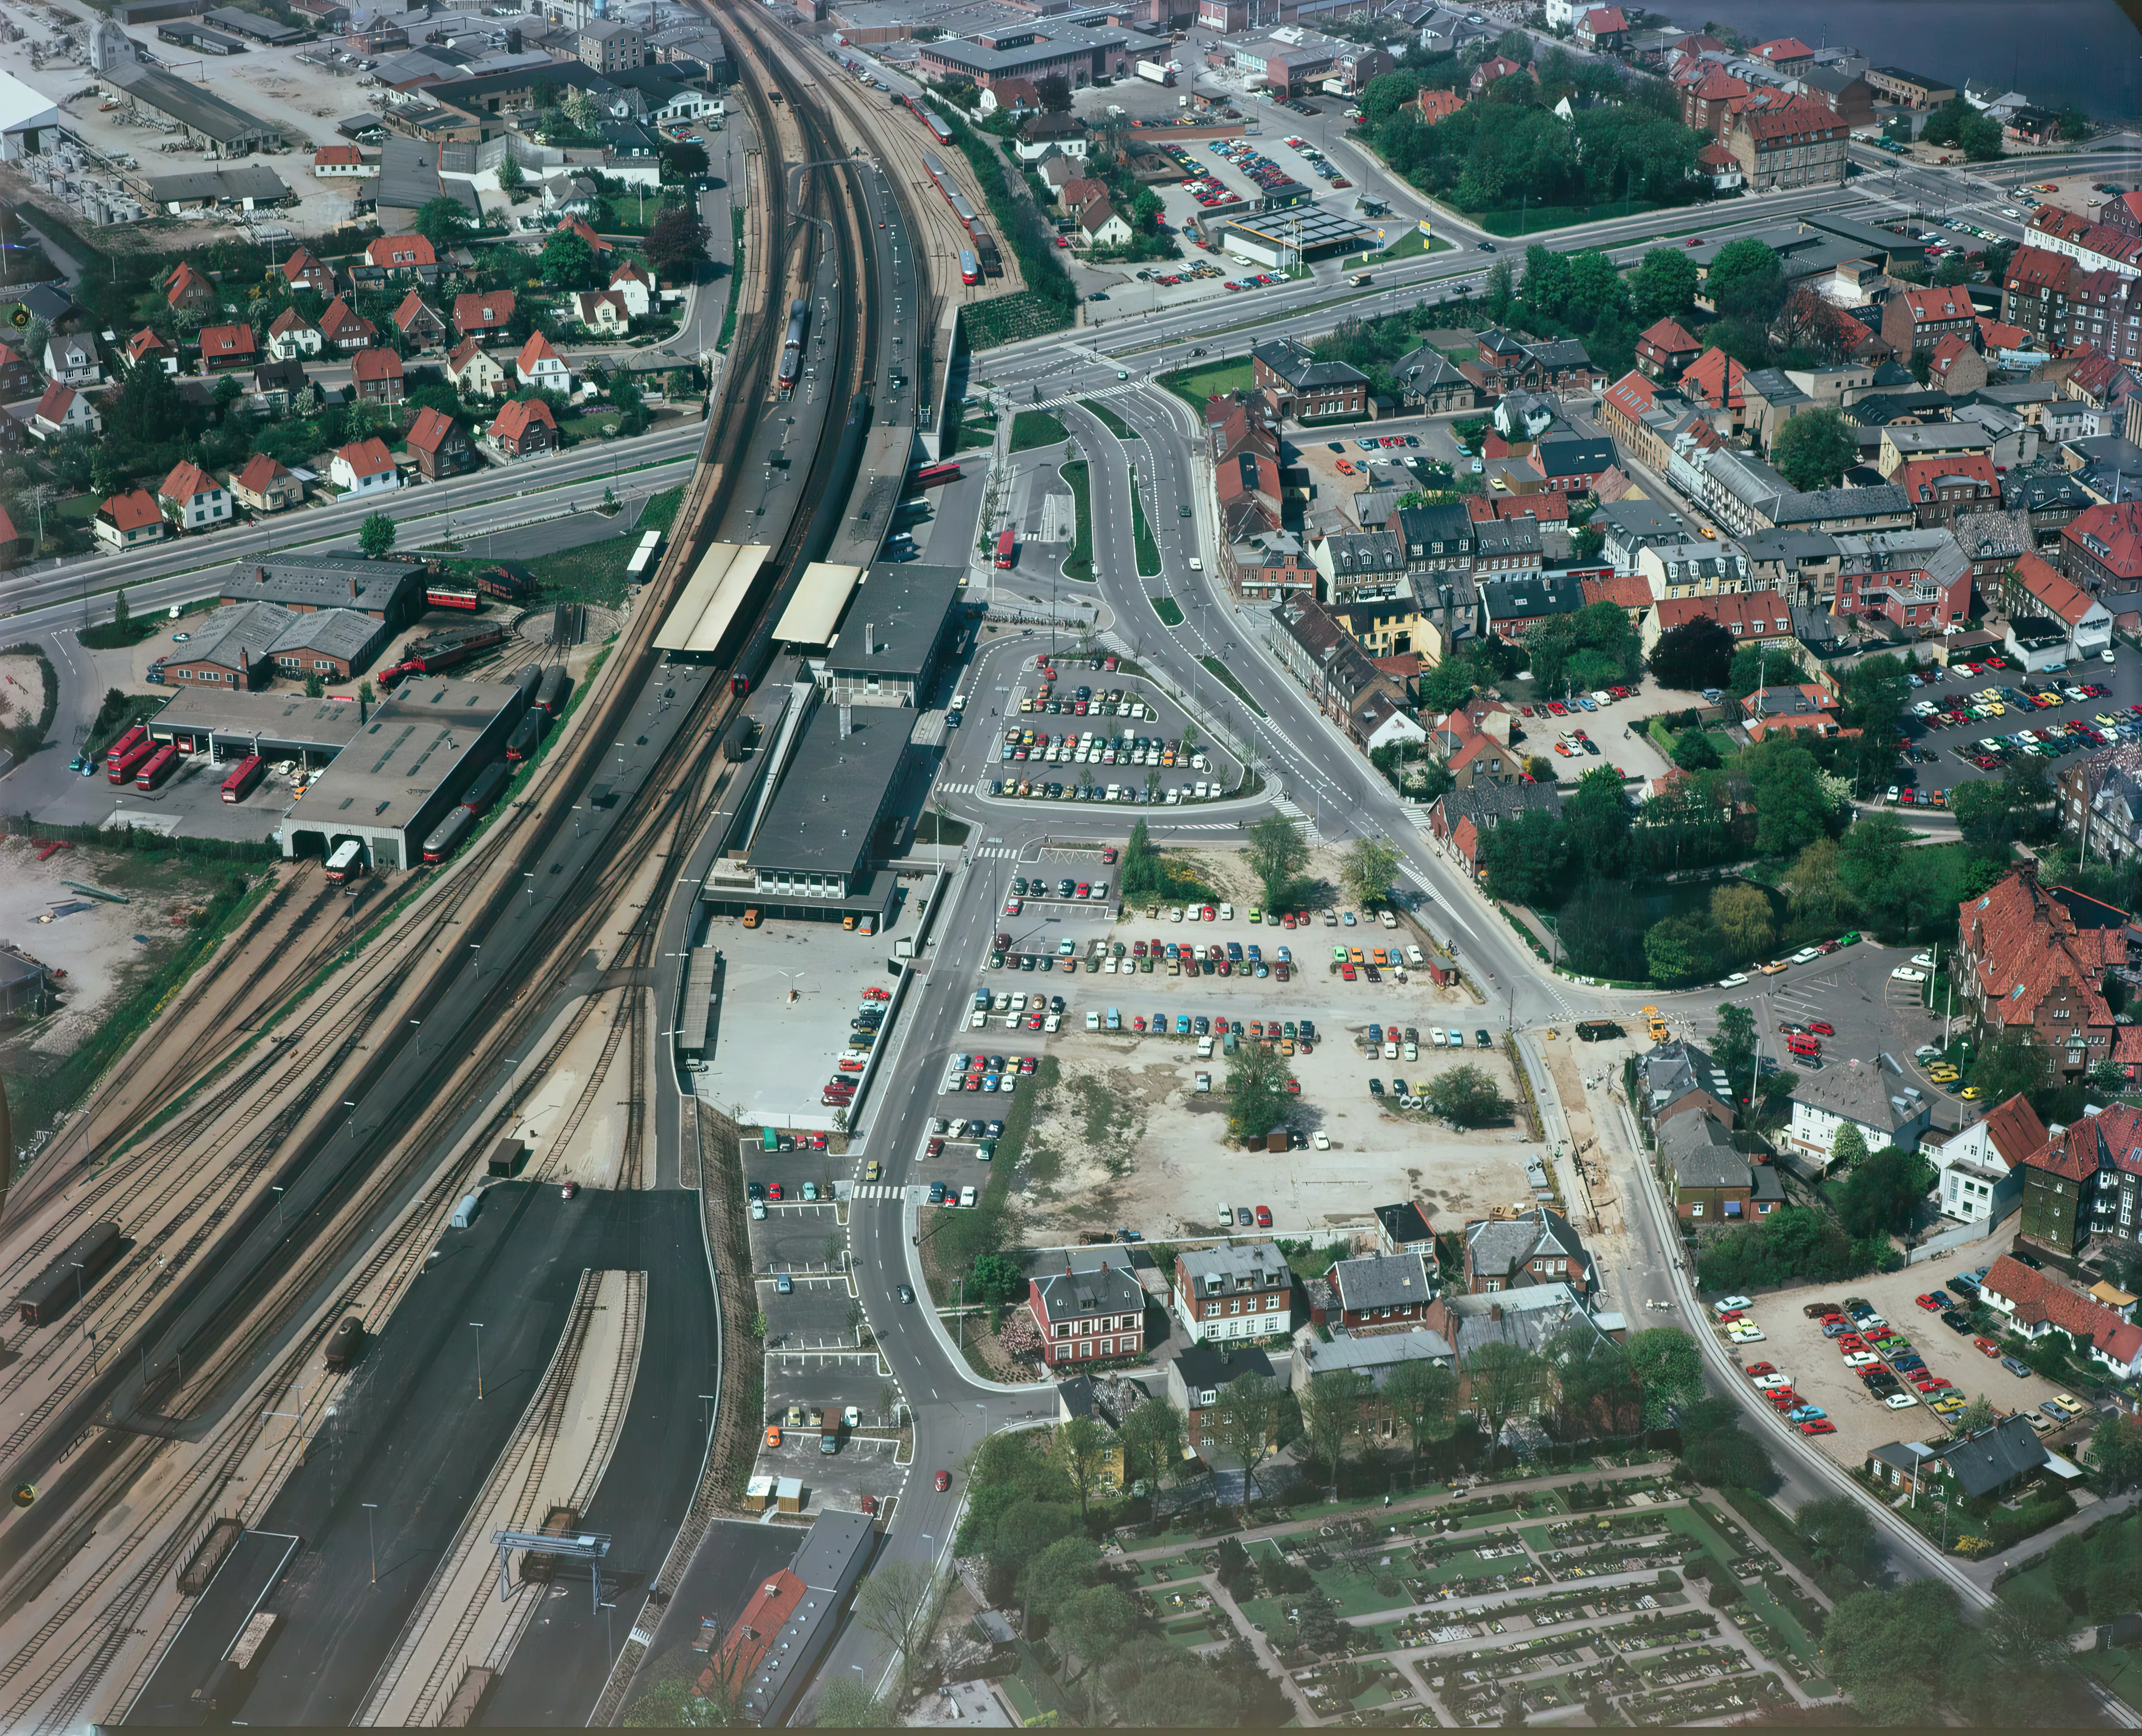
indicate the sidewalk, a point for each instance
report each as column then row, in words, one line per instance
column 1986, row 1571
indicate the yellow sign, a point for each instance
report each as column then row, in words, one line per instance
column 1426, row 227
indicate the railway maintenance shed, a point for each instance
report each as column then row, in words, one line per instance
column 405, row 770
column 229, row 725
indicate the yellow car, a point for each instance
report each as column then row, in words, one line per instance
column 1997, row 709
column 871, row 1171
column 1773, row 968
column 2108, row 720
column 1969, row 1093
column 1943, row 1074
column 2065, row 1405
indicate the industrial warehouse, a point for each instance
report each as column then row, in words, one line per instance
column 405, row 771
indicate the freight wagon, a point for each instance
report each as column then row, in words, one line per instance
column 69, row 1279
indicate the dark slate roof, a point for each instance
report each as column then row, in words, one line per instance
column 1405, row 1222
column 1382, row 1280
column 1093, row 1286
column 1213, row 1366
column 1570, row 455
column 1293, row 363
column 1506, row 599
column 1448, row 524
column 1995, row 1457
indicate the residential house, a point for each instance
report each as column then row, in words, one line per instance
column 192, row 499
column 147, row 348
column 1474, row 753
column 1501, row 362
column 1197, row 1378
column 1430, row 383
column 263, row 485
column 1711, row 1182
column 1295, row 384
column 303, row 270
column 1092, row 1311
column 376, row 377
column 18, row 379
column 631, row 282
column 278, row 385
column 524, row 428
column 1460, row 820
column 1798, row 564
column 187, row 291
column 1569, row 464
column 1512, row 607
column 1904, row 1465
column 344, row 330
column 1334, row 668
column 602, row 313
column 1679, row 1079
column 1528, row 1319
column 1788, row 54
column 2036, row 1303
column 472, row 372
column 2082, row 1184
column 1665, row 349
column 342, row 162
column 62, row 411
column 1869, row 1095
column 70, row 359
column 292, row 336
column 1100, row 224
column 1915, row 320
column 420, row 327
column 1405, row 1228
column 1981, row 1168
column 1372, row 1292
column 2025, row 963
column 1236, row 1291
column 1603, row 30
column 596, row 245
column 1719, row 169
column 1494, row 67
column 1992, row 539
column 2077, row 623
column 1754, row 618
column 1715, row 379
column 1248, row 485
column 224, row 347
column 1271, row 568
column 1788, row 142
column 2099, row 799
column 1376, row 1355
column 1360, row 564
column 401, row 255
column 1894, row 84
column 1437, row 538
column 1696, row 569
column 540, row 365
column 1535, row 1247
column 1388, row 627
column 364, row 467
column 2100, row 546
column 439, row 444
column 129, row 519
column 1955, row 366
column 1708, row 95
column 1804, row 708
column 484, row 314
column 1920, row 580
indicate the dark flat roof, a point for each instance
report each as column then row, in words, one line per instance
column 903, row 605
column 833, row 790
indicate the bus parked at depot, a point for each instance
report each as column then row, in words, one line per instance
column 346, row 860
column 158, row 766
column 124, row 763
column 244, row 776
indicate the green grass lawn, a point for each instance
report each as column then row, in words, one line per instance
column 1031, row 428
column 1690, row 1523
column 594, row 573
column 1412, row 245
column 1194, row 385
column 1227, row 675
column 1142, row 539
column 1169, row 611
column 1078, row 563
column 1530, row 220
column 1107, row 419
column 80, row 510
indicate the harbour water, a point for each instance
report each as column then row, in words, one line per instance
column 2056, row 51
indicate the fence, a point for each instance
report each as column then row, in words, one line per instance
column 1962, row 1235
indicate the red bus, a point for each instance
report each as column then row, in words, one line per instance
column 122, row 767
column 126, row 743
column 930, row 475
column 1006, row 546
column 239, row 784
column 161, row 764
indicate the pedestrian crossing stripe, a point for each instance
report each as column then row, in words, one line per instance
column 879, row 1191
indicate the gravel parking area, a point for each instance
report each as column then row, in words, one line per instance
column 1796, row 1345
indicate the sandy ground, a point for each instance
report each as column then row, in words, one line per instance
column 591, row 1156
column 94, row 942
column 1127, row 1138
column 22, row 689
column 1796, row 1345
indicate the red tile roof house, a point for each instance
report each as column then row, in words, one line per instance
column 439, row 444
column 1981, row 1176
column 525, row 427
column 263, row 485
column 400, row 253
column 301, row 270
column 375, row 375
column 129, row 519
column 2023, row 962
column 1918, row 319
column 1715, row 378
column 63, row 410
column 194, row 499
column 473, row 372
column 187, row 291
column 420, row 327
column 2102, row 546
column 1753, row 618
column 540, row 365
column 483, row 315
column 364, row 467
column 1092, row 1311
column 1955, row 366
column 1943, row 488
column 224, row 347
column 149, row 347
column 2038, row 596
column 596, row 245
column 1603, row 27
column 2037, row 1303
column 292, row 336
column 345, row 329
column 2078, row 1179
column 1788, row 54
column 1665, row 349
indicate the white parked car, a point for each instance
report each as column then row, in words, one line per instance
column 1905, row 974
column 1900, row 1401
column 1924, row 960
column 1726, row 1305
column 1736, row 980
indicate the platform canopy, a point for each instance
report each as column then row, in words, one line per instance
column 717, row 587
column 815, row 610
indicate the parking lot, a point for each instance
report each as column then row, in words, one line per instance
column 1067, row 762
column 1127, row 1135
column 787, row 994
column 1796, row 1346
column 1975, row 720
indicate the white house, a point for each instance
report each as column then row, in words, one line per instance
column 2071, row 624
column 364, row 467
column 62, row 410
column 292, row 336
column 1982, row 1177
column 631, row 282
column 1563, row 14
column 1864, row 1094
column 193, row 498
column 72, row 361
column 540, row 365
column 1398, row 727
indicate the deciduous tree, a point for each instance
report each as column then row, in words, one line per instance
column 1815, row 448
column 1330, row 1410
column 1277, row 853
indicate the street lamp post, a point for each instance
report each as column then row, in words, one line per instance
column 418, row 1025
column 478, row 1324
column 370, row 1542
